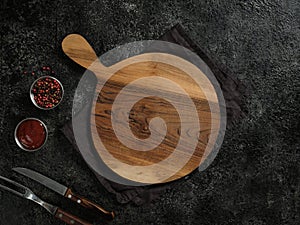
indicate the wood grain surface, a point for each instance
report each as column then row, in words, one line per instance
column 86, row 203
column 69, row 218
column 161, row 163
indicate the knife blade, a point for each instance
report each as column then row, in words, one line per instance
column 24, row 192
column 63, row 190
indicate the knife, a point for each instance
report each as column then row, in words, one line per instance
column 63, row 190
column 25, row 192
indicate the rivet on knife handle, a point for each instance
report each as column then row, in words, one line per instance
column 69, row 218
column 88, row 204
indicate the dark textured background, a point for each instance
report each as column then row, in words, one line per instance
column 255, row 178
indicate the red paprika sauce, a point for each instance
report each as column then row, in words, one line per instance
column 31, row 134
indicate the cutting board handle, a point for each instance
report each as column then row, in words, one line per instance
column 80, row 51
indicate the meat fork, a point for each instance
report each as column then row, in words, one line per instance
column 54, row 210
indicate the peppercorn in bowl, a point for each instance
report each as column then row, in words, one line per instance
column 46, row 92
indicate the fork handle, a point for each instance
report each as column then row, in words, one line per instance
column 69, row 218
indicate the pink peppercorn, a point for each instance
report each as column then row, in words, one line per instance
column 47, row 92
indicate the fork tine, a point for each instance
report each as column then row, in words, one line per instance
column 16, row 184
column 11, row 190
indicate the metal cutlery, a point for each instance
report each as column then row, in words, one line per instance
column 63, row 190
column 26, row 193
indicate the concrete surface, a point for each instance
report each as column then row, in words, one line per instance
column 255, row 178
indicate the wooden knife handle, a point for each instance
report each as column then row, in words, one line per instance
column 89, row 204
column 69, row 218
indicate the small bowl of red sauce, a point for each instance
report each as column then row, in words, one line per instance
column 31, row 134
column 46, row 92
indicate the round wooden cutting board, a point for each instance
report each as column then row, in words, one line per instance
column 155, row 116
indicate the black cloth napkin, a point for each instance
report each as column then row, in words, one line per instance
column 233, row 90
